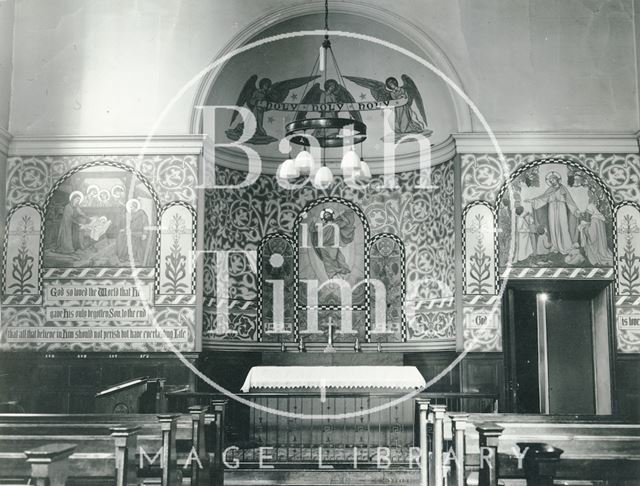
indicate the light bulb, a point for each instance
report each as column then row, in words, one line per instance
column 288, row 170
column 365, row 171
column 350, row 162
column 323, row 178
column 304, row 162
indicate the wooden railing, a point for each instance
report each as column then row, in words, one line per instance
column 343, row 424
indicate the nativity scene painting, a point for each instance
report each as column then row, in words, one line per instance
column 102, row 217
column 562, row 219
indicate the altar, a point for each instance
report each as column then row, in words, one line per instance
column 386, row 378
column 304, row 411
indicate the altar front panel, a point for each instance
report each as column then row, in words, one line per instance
column 341, row 422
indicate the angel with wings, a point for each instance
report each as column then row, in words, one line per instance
column 257, row 99
column 333, row 92
column 407, row 119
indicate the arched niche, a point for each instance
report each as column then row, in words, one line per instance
column 374, row 19
column 387, row 266
column 100, row 215
column 479, row 250
column 332, row 271
column 628, row 234
column 276, row 288
column 177, row 250
column 439, row 113
column 22, row 251
column 555, row 214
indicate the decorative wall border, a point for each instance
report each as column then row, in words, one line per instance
column 22, row 300
column 260, row 284
column 5, row 247
column 403, row 282
column 194, row 222
column 496, row 249
column 146, row 273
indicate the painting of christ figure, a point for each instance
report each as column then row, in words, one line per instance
column 331, row 254
column 561, row 219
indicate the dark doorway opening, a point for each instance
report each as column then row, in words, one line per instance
column 557, row 337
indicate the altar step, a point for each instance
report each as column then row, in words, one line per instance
column 315, row 477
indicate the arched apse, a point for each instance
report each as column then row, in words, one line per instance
column 446, row 112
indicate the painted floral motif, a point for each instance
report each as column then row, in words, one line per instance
column 629, row 260
column 240, row 327
column 23, row 262
column 22, row 252
column 175, row 270
column 480, row 263
column 432, row 325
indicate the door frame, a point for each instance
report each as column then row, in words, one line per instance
column 606, row 288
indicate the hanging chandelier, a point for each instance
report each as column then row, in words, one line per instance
column 330, row 130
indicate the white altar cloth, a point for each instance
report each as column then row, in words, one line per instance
column 364, row 377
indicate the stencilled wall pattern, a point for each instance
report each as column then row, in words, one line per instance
column 237, row 219
column 86, row 244
column 598, row 195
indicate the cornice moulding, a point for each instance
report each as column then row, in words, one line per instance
column 440, row 153
column 548, row 142
column 105, row 146
column 460, row 143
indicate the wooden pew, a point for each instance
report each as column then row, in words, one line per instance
column 49, row 464
column 109, row 443
column 594, row 448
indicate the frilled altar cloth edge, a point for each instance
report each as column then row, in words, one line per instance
column 349, row 377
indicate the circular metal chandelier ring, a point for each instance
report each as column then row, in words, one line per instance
column 296, row 130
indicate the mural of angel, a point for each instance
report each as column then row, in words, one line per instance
column 258, row 98
column 408, row 120
column 333, row 92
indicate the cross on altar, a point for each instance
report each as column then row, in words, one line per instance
column 329, row 348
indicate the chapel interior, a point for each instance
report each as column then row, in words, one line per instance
column 314, row 242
